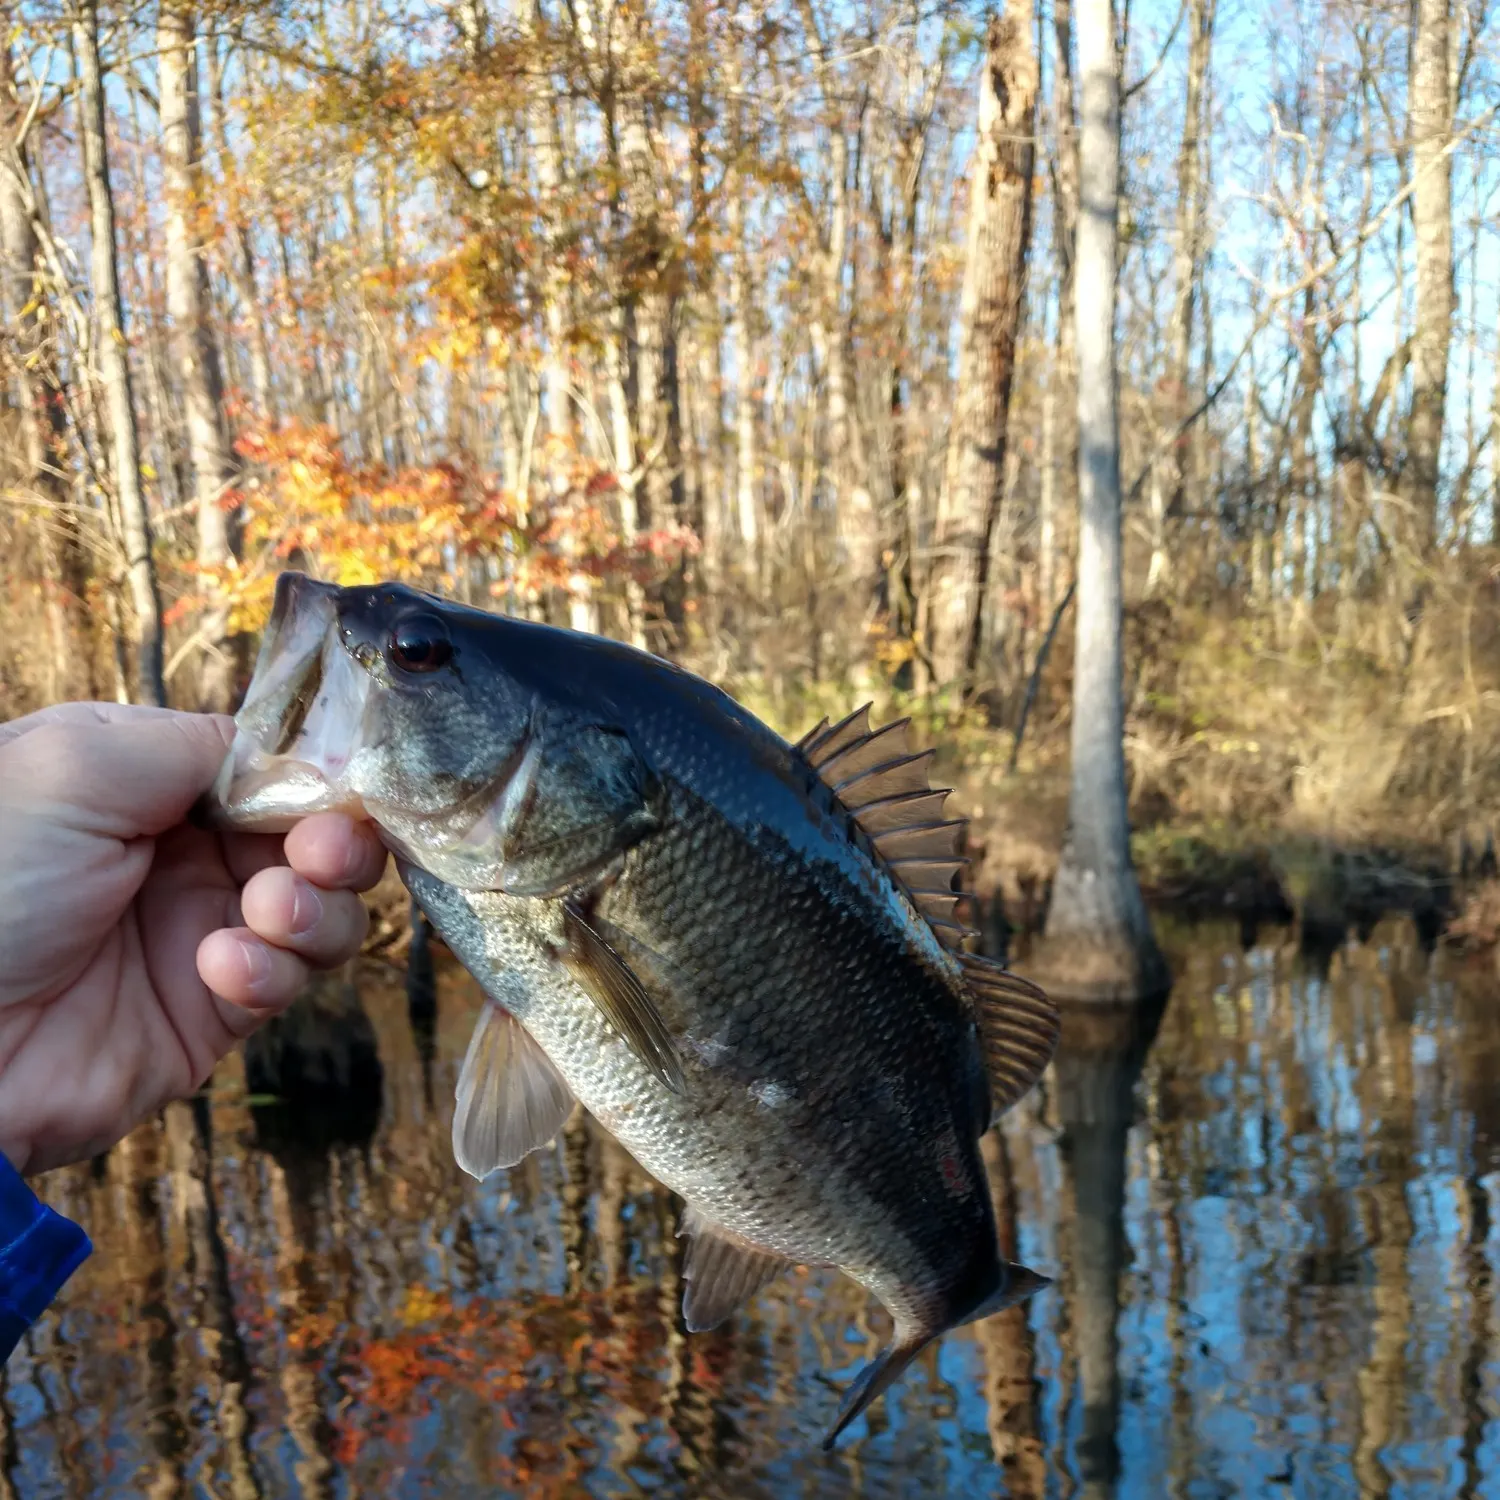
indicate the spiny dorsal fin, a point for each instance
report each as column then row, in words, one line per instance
column 1018, row 1028
column 721, row 1271
column 823, row 743
column 884, row 747
column 924, row 873
column 938, row 906
column 908, row 810
column 801, row 746
column 882, row 784
column 922, row 841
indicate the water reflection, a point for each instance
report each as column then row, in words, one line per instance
column 1099, row 1061
column 1268, row 1208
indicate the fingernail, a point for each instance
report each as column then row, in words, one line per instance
column 307, row 910
column 257, row 963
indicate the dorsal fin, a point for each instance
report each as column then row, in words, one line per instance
column 922, row 872
column 922, row 841
column 883, row 787
column 1018, row 1028
column 823, row 742
column 801, row 746
column 885, row 746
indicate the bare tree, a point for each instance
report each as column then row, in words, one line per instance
column 1098, row 942
column 114, row 364
column 829, row 325
column 1432, row 171
column 1167, row 479
column 990, row 318
column 25, row 301
column 1060, row 400
column 194, row 350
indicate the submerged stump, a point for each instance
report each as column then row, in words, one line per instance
column 316, row 1068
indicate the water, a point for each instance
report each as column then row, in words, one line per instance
column 1269, row 1211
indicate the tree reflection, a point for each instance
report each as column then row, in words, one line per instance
column 311, row 1299
column 1098, row 1063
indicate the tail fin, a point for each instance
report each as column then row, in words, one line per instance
column 873, row 1379
column 1019, row 1283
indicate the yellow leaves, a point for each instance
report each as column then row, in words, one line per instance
column 356, row 524
column 421, row 1305
column 355, row 572
column 452, row 346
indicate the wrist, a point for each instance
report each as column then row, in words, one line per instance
column 39, row 1251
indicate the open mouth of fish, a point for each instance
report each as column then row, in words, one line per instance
column 297, row 732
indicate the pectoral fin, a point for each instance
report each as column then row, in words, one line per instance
column 511, row 1098
column 721, row 1271
column 614, row 988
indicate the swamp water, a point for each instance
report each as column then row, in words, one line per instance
column 1269, row 1209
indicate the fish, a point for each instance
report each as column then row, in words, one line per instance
column 745, row 957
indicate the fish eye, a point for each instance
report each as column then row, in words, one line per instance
column 420, row 643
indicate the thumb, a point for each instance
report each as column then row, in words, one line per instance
column 121, row 772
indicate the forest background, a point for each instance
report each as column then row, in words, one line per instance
column 749, row 330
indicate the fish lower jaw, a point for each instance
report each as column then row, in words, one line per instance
column 264, row 792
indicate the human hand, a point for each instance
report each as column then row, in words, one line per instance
column 135, row 950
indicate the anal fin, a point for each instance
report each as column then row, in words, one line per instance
column 612, row 985
column 721, row 1271
column 511, row 1099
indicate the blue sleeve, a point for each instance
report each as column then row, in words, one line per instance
column 39, row 1250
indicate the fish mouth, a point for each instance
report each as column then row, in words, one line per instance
column 297, row 732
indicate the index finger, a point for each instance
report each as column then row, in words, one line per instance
column 82, row 713
column 122, row 776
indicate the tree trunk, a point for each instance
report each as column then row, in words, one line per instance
column 1060, row 514
column 651, row 303
column 1304, row 451
column 114, row 363
column 1098, row 942
column 990, row 316
column 853, row 507
column 194, row 351
column 1186, row 252
column 1495, row 449
column 1011, row 1388
column 25, row 300
column 747, row 512
column 557, row 401
column 1431, row 132
column 238, row 259
column 741, row 326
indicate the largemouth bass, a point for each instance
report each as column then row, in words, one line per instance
column 743, row 957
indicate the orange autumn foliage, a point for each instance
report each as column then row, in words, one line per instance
column 306, row 504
